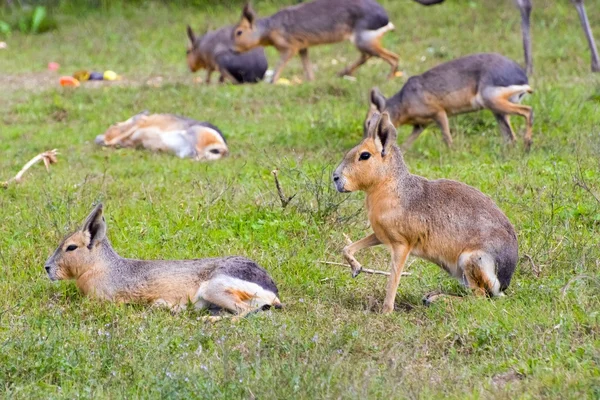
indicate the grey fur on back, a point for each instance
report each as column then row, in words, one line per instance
column 128, row 275
column 190, row 123
column 316, row 16
column 481, row 69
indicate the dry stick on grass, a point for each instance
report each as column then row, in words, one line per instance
column 48, row 157
column 580, row 181
column 284, row 200
column 368, row 270
column 534, row 268
column 365, row 270
column 576, row 278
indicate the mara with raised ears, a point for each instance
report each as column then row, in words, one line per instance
column 446, row 222
column 479, row 81
column 235, row 284
column 212, row 52
column 185, row 137
column 294, row 29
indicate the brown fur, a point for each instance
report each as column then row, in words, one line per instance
column 240, row 294
column 169, row 133
column 446, row 222
column 294, row 29
column 479, row 81
column 233, row 283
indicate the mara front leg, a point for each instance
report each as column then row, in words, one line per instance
column 226, row 76
column 441, row 118
column 349, row 251
column 400, row 253
column 285, row 56
column 209, row 72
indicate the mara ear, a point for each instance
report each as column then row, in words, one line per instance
column 386, row 133
column 376, row 106
column 371, row 125
column 95, row 226
column 191, row 36
column 248, row 14
column 377, row 100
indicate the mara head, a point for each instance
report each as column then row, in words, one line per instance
column 116, row 131
column 193, row 56
column 79, row 251
column 377, row 104
column 210, row 144
column 368, row 163
column 245, row 35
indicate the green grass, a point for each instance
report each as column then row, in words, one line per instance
column 541, row 341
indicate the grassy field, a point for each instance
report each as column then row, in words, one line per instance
column 541, row 341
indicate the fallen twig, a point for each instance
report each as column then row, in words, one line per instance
column 576, row 278
column 580, row 182
column 48, row 157
column 365, row 270
column 534, row 268
column 284, row 200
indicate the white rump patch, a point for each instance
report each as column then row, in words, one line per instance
column 221, row 291
column 368, row 36
column 514, row 93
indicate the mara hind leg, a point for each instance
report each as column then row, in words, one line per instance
column 349, row 70
column 369, row 42
column 308, row 69
column 505, row 128
column 504, row 100
column 237, row 296
column 390, row 58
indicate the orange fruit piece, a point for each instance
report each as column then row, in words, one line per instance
column 68, row 81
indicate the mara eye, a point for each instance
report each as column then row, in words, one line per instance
column 239, row 33
column 365, row 155
column 215, row 151
column 72, row 247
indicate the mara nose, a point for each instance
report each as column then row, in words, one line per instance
column 47, row 268
column 336, row 177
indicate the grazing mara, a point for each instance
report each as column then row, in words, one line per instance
column 525, row 9
column 446, row 222
column 212, row 51
column 185, row 137
column 479, row 81
column 294, row 29
column 236, row 284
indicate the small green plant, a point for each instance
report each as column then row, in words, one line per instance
column 28, row 20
